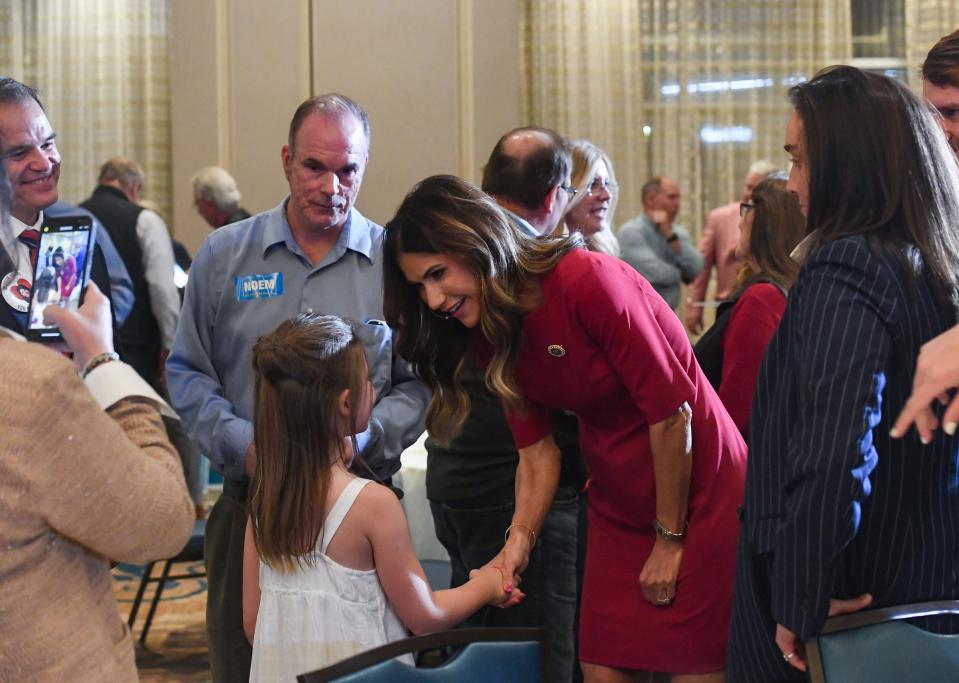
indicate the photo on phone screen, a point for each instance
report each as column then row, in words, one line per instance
column 64, row 255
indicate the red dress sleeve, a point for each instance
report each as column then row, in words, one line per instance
column 752, row 323
column 639, row 334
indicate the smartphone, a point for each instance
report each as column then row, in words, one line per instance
column 60, row 276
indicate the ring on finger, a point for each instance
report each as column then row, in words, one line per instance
column 789, row 656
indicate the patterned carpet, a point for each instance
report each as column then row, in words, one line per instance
column 176, row 648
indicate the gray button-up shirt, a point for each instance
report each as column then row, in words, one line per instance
column 249, row 277
column 646, row 250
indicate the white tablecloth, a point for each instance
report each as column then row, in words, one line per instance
column 412, row 479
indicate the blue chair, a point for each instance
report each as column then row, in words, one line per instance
column 192, row 552
column 504, row 655
column 878, row 647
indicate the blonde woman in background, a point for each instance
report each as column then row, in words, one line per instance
column 590, row 211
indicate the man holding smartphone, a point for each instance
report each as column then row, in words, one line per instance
column 32, row 164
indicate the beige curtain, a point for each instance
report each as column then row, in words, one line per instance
column 102, row 70
column 692, row 89
column 926, row 22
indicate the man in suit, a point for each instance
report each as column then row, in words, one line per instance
column 32, row 164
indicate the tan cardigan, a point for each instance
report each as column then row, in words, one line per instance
column 77, row 485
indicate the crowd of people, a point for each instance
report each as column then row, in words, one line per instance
column 588, row 466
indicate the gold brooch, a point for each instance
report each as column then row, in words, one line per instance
column 556, row 351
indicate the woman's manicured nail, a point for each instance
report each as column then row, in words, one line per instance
column 950, row 428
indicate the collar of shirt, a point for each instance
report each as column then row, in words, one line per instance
column 801, row 251
column 355, row 235
column 19, row 226
column 19, row 252
column 522, row 223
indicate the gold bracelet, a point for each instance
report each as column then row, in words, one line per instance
column 532, row 534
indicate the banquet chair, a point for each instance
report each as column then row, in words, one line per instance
column 192, row 552
column 504, row 655
column 877, row 646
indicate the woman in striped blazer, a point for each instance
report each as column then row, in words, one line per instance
column 837, row 514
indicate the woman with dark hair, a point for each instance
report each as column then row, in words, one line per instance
column 731, row 350
column 560, row 327
column 837, row 515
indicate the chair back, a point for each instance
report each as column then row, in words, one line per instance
column 505, row 655
column 877, row 646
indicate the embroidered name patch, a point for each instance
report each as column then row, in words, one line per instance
column 261, row 286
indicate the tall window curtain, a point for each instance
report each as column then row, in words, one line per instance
column 102, row 68
column 926, row 22
column 695, row 90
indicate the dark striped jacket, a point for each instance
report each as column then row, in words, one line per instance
column 837, row 507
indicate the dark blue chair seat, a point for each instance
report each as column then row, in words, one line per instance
column 192, row 552
column 878, row 647
column 504, row 655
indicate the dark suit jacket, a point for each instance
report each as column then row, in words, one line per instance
column 836, row 507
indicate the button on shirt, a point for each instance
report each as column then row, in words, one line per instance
column 249, row 277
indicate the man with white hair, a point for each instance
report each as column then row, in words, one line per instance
column 718, row 248
column 216, row 197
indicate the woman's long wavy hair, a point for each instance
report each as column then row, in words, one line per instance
column 879, row 166
column 301, row 369
column 446, row 215
column 586, row 160
column 778, row 226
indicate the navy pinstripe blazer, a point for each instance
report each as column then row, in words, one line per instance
column 838, row 506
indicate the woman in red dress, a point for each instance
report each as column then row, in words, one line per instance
column 560, row 327
column 731, row 351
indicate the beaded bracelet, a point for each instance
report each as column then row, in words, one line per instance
column 97, row 361
column 532, row 534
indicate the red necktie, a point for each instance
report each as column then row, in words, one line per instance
column 31, row 238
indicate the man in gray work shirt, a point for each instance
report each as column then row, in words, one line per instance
column 312, row 253
column 659, row 250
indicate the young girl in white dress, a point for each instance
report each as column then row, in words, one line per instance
column 329, row 567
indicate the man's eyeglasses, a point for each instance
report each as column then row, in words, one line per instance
column 569, row 189
column 744, row 208
column 599, row 185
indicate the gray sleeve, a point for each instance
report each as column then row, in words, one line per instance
column 689, row 259
column 637, row 253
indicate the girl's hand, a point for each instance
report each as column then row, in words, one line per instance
column 661, row 572
column 494, row 581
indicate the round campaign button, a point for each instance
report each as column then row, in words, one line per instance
column 16, row 291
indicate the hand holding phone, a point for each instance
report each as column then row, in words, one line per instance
column 62, row 269
column 88, row 331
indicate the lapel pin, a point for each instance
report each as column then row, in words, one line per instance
column 556, row 350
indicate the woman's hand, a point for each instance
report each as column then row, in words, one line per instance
column 495, row 579
column 794, row 650
column 937, row 370
column 88, row 332
column 510, row 561
column 661, row 572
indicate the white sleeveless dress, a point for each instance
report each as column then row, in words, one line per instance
column 318, row 615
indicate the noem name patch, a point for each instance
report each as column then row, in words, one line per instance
column 261, row 286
